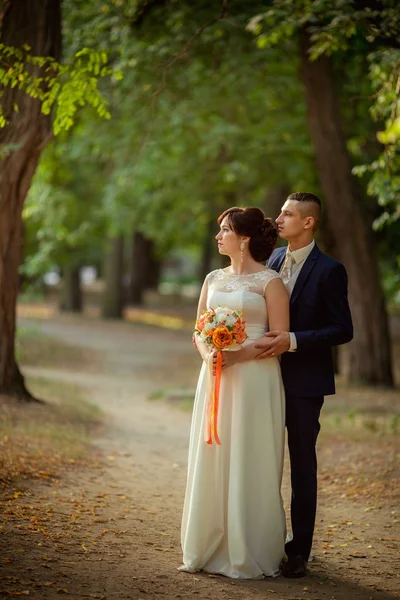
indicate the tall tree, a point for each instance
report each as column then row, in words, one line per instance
column 144, row 269
column 112, row 301
column 369, row 352
column 325, row 28
column 36, row 23
column 33, row 82
column 71, row 292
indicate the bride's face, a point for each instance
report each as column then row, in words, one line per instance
column 228, row 240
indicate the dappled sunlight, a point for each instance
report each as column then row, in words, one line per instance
column 155, row 318
column 146, row 316
column 36, row 311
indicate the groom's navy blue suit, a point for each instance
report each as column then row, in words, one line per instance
column 320, row 319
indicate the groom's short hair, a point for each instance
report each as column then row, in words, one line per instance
column 310, row 205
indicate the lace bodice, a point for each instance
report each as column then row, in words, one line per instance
column 227, row 282
column 243, row 292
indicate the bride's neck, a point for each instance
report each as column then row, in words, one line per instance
column 248, row 266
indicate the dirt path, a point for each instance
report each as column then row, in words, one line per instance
column 118, row 521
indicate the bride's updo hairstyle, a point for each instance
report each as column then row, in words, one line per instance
column 251, row 222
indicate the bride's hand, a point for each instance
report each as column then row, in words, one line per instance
column 228, row 360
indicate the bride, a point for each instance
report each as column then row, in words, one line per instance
column 233, row 520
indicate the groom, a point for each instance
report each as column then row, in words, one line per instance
column 319, row 319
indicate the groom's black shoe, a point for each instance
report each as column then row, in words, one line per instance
column 283, row 563
column 295, row 567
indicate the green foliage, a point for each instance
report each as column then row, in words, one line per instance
column 385, row 180
column 348, row 30
column 62, row 87
column 227, row 127
column 332, row 24
column 223, row 125
column 63, row 222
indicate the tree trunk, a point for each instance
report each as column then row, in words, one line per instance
column 275, row 199
column 21, row 276
column 369, row 352
column 71, row 294
column 142, row 275
column 154, row 270
column 38, row 24
column 113, row 271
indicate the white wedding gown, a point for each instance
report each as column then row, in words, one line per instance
column 233, row 518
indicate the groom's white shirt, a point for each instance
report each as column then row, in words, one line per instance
column 299, row 258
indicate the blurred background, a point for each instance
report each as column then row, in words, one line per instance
column 126, row 128
column 212, row 105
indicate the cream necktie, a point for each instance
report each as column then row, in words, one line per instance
column 286, row 272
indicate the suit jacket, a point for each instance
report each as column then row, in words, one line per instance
column 320, row 318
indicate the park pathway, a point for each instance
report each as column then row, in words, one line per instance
column 127, row 542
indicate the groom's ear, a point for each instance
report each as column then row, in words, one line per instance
column 309, row 223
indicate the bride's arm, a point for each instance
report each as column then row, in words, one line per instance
column 277, row 302
column 202, row 306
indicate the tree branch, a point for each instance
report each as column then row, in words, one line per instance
column 145, row 9
column 183, row 51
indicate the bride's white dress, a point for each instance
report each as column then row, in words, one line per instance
column 233, row 518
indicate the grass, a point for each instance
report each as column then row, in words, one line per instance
column 68, row 408
column 35, row 348
column 361, row 426
column 42, row 440
column 356, row 413
column 34, row 436
column 39, row 440
column 362, row 412
column 181, row 397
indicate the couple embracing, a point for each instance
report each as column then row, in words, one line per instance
column 296, row 310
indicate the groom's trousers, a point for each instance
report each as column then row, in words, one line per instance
column 302, row 422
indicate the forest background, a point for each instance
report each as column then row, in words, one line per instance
column 127, row 127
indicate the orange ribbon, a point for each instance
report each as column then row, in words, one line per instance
column 213, row 402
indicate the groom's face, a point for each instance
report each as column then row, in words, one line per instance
column 291, row 224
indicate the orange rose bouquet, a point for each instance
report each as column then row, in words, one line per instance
column 220, row 329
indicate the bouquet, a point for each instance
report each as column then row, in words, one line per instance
column 220, row 329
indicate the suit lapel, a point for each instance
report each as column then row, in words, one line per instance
column 304, row 273
column 277, row 260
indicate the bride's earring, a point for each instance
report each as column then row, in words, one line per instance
column 242, row 246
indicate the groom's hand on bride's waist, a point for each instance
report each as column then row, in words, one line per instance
column 274, row 343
